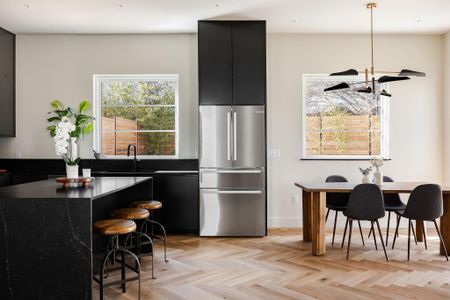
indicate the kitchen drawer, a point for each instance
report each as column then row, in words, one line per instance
column 232, row 178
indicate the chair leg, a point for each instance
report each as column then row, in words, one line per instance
column 326, row 217
column 360, row 232
column 387, row 229
column 334, row 228
column 440, row 238
column 425, row 236
column 374, row 236
column 396, row 231
column 370, row 232
column 409, row 237
column 381, row 238
column 345, row 233
column 349, row 236
column 413, row 232
column 123, row 273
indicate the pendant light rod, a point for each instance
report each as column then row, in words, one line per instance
column 371, row 6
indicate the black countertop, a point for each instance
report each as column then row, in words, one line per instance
column 50, row 189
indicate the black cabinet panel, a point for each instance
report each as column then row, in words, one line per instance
column 7, row 83
column 249, row 63
column 215, row 63
column 179, row 196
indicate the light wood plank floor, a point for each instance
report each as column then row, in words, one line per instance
column 280, row 266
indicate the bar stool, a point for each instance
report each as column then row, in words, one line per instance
column 136, row 215
column 151, row 206
column 115, row 228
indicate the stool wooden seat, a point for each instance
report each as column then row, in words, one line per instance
column 150, row 205
column 114, row 226
column 130, row 213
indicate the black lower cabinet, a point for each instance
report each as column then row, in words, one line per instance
column 180, row 198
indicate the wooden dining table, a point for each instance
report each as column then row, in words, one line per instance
column 314, row 206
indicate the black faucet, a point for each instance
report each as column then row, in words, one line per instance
column 135, row 161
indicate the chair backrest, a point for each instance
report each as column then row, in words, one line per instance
column 425, row 203
column 391, row 199
column 340, row 199
column 365, row 203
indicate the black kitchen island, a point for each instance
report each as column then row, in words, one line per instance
column 46, row 239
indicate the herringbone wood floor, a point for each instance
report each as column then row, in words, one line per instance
column 280, row 266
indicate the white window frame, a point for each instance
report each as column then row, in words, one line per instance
column 384, row 121
column 97, row 110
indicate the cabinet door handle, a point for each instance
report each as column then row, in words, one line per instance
column 240, row 192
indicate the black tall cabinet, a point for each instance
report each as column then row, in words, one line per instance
column 232, row 62
column 7, row 83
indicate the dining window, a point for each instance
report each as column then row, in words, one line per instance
column 136, row 109
column 343, row 124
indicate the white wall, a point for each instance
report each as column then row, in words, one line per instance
column 446, row 108
column 61, row 67
column 415, row 110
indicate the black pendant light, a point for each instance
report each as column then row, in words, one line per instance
column 370, row 74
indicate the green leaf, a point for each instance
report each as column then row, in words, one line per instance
column 76, row 132
column 84, row 105
column 88, row 128
column 82, row 119
column 51, row 127
column 52, row 119
column 56, row 104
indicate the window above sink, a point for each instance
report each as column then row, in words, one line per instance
column 136, row 109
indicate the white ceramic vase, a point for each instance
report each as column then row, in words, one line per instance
column 72, row 171
column 365, row 179
column 378, row 178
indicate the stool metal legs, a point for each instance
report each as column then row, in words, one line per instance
column 111, row 255
column 144, row 229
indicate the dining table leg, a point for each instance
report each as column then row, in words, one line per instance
column 318, row 223
column 419, row 230
column 445, row 223
column 307, row 216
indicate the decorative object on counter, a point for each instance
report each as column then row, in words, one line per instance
column 67, row 127
column 86, row 173
column 67, row 181
column 377, row 162
column 365, row 173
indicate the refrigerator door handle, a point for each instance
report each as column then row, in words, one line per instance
column 228, row 136
column 235, row 136
column 239, row 172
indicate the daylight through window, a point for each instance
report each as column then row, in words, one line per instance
column 343, row 123
column 139, row 110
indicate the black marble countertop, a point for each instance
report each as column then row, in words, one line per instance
column 50, row 189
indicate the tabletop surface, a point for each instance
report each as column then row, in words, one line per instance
column 50, row 189
column 345, row 187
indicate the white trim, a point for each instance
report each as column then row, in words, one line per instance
column 384, row 121
column 124, row 77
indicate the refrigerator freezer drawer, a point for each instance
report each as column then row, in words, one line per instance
column 232, row 178
column 232, row 212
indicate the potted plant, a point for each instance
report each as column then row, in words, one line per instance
column 365, row 173
column 67, row 126
column 377, row 162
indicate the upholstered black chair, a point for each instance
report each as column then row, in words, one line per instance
column 365, row 204
column 425, row 204
column 338, row 202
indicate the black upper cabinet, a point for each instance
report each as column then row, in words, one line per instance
column 232, row 62
column 215, row 63
column 7, row 83
column 249, row 63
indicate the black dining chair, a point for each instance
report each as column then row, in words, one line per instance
column 365, row 204
column 392, row 203
column 425, row 204
column 338, row 202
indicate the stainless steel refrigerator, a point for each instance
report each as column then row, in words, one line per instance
column 232, row 171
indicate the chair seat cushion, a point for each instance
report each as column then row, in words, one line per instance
column 395, row 207
column 336, row 207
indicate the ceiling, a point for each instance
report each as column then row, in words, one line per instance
column 180, row 16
